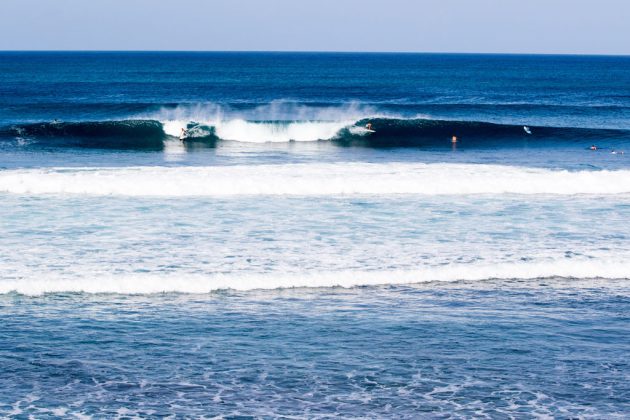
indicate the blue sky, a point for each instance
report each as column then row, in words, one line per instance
column 500, row 26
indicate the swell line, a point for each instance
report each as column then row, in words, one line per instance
column 387, row 132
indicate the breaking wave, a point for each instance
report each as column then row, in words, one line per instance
column 389, row 132
column 258, row 131
column 345, row 178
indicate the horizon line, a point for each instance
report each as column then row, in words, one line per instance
column 315, row 52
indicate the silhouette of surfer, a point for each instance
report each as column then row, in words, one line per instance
column 183, row 134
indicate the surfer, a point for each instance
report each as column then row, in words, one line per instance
column 527, row 130
column 368, row 126
column 593, row 147
column 454, row 139
column 183, row 134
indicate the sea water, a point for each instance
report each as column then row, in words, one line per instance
column 282, row 261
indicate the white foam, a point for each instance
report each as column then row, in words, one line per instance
column 174, row 127
column 275, row 132
column 263, row 132
column 278, row 121
column 313, row 179
column 187, row 283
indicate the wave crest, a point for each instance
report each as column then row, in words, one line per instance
column 389, row 132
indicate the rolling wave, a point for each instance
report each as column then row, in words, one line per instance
column 389, row 132
column 122, row 134
column 322, row 179
column 437, row 133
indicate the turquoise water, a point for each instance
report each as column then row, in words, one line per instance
column 282, row 261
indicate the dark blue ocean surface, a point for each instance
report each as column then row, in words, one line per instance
column 122, row 100
column 553, row 348
column 126, row 108
column 221, row 234
column 565, row 90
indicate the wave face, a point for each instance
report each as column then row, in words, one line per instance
column 314, row 179
column 435, row 133
column 124, row 134
column 389, row 132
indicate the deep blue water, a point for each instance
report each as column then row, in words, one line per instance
column 283, row 261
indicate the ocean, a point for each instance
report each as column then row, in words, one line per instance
column 282, row 261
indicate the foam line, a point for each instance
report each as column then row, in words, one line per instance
column 185, row 283
column 313, row 179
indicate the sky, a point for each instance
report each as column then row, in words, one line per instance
column 488, row 26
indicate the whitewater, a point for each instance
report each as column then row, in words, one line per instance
column 348, row 178
column 258, row 132
column 142, row 284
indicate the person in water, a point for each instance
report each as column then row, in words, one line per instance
column 454, row 139
column 593, row 147
column 183, row 134
column 368, row 126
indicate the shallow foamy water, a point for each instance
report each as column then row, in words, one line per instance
column 196, row 245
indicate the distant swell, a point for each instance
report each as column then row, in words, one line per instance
column 313, row 179
column 389, row 132
column 191, row 283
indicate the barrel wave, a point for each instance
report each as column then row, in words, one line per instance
column 388, row 132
